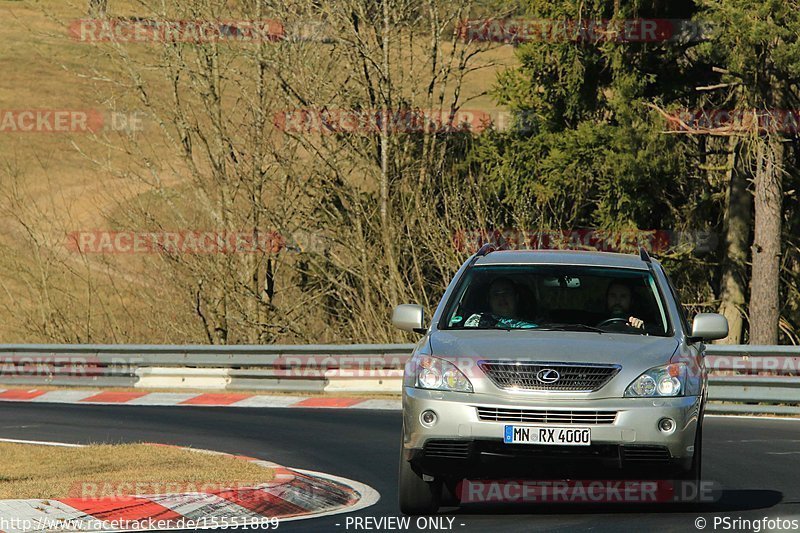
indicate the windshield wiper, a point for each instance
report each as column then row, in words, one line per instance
column 572, row 327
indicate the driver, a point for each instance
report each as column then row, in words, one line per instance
column 503, row 299
column 618, row 304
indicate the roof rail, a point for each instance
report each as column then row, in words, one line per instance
column 486, row 249
column 644, row 255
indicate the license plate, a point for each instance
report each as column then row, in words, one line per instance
column 548, row 435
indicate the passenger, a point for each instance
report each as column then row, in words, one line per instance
column 504, row 306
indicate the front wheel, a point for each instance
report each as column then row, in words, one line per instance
column 695, row 473
column 417, row 496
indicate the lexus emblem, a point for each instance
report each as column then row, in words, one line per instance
column 548, row 376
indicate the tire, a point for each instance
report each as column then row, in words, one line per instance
column 417, row 496
column 450, row 494
column 695, row 472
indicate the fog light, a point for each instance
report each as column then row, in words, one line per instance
column 666, row 425
column 428, row 418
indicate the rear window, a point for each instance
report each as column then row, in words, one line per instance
column 558, row 297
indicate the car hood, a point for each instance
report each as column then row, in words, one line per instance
column 634, row 353
column 555, row 346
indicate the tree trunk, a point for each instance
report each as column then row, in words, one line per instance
column 386, row 215
column 764, row 286
column 738, row 218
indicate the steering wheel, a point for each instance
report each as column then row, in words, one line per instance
column 611, row 321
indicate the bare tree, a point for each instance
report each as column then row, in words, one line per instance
column 74, row 300
column 392, row 194
column 366, row 216
column 98, row 8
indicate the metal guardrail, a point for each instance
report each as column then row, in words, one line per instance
column 743, row 379
column 301, row 368
column 753, row 379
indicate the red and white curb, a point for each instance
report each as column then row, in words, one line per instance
column 209, row 399
column 229, row 399
column 291, row 495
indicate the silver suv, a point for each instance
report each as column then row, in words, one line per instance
column 543, row 363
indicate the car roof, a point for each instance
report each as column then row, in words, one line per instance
column 562, row 257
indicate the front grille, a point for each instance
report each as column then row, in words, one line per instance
column 657, row 454
column 447, row 449
column 545, row 416
column 573, row 377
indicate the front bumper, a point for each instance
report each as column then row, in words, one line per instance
column 632, row 436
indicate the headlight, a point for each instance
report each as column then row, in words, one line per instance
column 426, row 372
column 668, row 380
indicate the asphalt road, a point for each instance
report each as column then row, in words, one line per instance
column 756, row 462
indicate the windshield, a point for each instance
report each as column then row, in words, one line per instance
column 558, row 297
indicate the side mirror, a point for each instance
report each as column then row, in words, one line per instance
column 409, row 317
column 709, row 327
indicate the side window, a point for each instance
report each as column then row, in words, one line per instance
column 681, row 310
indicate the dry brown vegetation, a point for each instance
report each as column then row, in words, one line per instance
column 368, row 217
column 37, row 471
